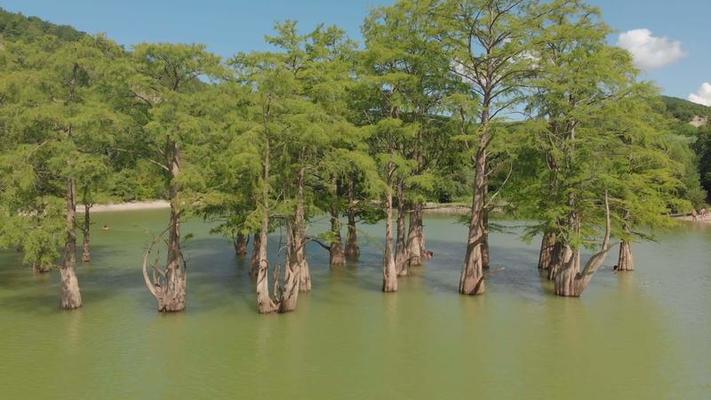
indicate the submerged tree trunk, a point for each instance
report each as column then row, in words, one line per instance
column 86, row 231
column 337, row 255
column 415, row 237
column 471, row 281
column 71, row 296
column 389, row 269
column 299, row 244
column 265, row 303
column 240, row 243
column 290, row 293
column 40, row 268
column 402, row 251
column 571, row 281
column 169, row 284
column 625, row 263
column 256, row 245
column 352, row 251
column 545, row 257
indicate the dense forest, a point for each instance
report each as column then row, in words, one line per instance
column 519, row 108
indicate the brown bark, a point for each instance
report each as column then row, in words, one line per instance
column 352, row 251
column 265, row 303
column 71, row 296
column 625, row 263
column 471, row 281
column 571, row 281
column 389, row 269
column 254, row 264
column 402, row 251
column 169, row 284
column 240, row 244
column 86, row 231
column 545, row 257
column 415, row 237
column 39, row 268
column 337, row 256
column 290, row 293
column 300, row 237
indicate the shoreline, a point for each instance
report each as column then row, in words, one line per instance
column 131, row 206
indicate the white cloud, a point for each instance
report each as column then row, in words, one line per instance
column 702, row 95
column 650, row 51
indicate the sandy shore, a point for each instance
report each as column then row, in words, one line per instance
column 138, row 205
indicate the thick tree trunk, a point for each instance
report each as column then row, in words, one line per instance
column 300, row 236
column 389, row 269
column 240, row 243
column 86, row 231
column 337, row 256
column 265, row 303
column 625, row 263
column 71, row 296
column 352, row 251
column 546, row 255
column 256, row 245
column 402, row 251
column 290, row 293
column 415, row 235
column 471, row 281
column 571, row 281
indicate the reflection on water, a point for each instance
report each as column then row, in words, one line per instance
column 640, row 335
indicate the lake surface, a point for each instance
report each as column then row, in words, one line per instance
column 645, row 335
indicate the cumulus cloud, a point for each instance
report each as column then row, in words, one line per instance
column 650, row 51
column 702, row 95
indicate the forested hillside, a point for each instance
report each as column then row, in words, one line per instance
column 14, row 26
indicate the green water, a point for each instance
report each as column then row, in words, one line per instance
column 645, row 335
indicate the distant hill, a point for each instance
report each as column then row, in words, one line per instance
column 16, row 26
column 686, row 111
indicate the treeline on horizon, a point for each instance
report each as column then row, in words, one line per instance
column 513, row 106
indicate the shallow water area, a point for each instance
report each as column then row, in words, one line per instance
column 641, row 335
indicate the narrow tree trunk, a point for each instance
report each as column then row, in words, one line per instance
column 389, row 269
column 486, row 256
column 300, row 236
column 625, row 262
column 352, row 251
column 240, row 244
column 471, row 281
column 71, row 296
column 545, row 257
column 402, row 251
column 86, row 231
column 256, row 245
column 336, row 253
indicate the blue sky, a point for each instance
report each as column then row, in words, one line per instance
column 675, row 49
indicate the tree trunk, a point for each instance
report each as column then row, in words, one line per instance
column 352, row 251
column 571, row 281
column 414, row 237
column 402, row 251
column 71, row 296
column 545, row 257
column 300, row 236
column 256, row 245
column 40, row 268
column 86, row 248
column 292, row 282
column 240, row 244
column 389, row 269
column 265, row 303
column 471, row 281
column 485, row 255
column 337, row 256
column 625, row 262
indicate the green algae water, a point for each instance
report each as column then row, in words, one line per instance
column 645, row 335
